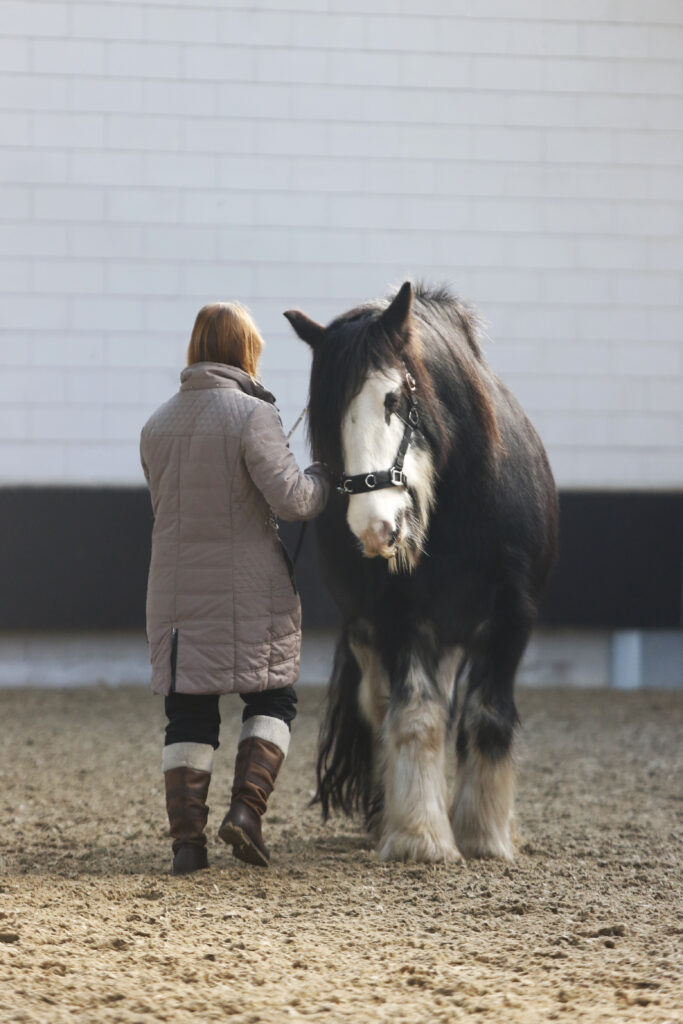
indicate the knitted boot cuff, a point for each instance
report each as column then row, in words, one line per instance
column 274, row 730
column 188, row 755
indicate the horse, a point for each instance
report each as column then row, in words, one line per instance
column 436, row 546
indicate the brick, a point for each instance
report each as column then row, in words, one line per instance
column 221, row 206
column 181, row 242
column 144, row 350
column 15, row 202
column 68, row 203
column 68, row 277
column 106, row 95
column 17, row 387
column 339, row 30
column 260, row 28
column 664, row 393
column 49, row 422
column 611, row 393
column 15, row 275
column 14, row 54
column 32, row 92
column 259, row 172
column 640, row 288
column 143, row 132
column 610, row 40
column 100, row 462
column 255, row 242
column 79, row 131
column 34, row 239
column 68, row 57
column 124, row 422
column 182, row 24
column 107, row 21
column 67, row 349
column 90, row 167
column 86, row 313
column 651, row 359
column 365, row 69
column 292, row 209
column 171, row 314
column 15, row 128
column 665, row 42
column 142, row 278
column 18, row 314
column 105, row 241
column 289, row 65
column 661, row 469
column 220, row 63
column 24, row 166
column 128, row 59
column 31, row 462
column 13, row 424
column 103, row 385
column 17, row 18
column 177, row 169
column 218, row 281
column 193, row 99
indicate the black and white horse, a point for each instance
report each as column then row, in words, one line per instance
column 436, row 548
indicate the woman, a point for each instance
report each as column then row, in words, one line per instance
column 223, row 614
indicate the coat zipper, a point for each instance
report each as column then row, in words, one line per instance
column 174, row 656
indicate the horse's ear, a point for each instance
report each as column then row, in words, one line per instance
column 307, row 329
column 396, row 314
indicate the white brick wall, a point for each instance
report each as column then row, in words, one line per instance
column 157, row 155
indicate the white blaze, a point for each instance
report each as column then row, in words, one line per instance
column 370, row 444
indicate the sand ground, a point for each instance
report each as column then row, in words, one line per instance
column 585, row 925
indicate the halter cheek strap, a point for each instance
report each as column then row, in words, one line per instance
column 363, row 483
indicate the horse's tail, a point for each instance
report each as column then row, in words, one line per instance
column 344, row 768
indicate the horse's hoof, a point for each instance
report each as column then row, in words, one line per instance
column 425, row 848
column 474, row 840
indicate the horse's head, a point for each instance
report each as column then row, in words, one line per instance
column 368, row 422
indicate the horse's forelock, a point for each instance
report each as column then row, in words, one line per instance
column 358, row 343
column 355, row 345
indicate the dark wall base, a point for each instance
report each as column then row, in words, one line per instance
column 77, row 558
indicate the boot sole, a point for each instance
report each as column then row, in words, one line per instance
column 242, row 846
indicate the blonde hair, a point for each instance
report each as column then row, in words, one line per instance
column 224, row 332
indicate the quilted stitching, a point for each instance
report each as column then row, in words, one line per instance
column 218, row 463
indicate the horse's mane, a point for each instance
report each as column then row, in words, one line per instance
column 357, row 343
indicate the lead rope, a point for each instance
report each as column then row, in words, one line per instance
column 299, row 419
column 302, row 531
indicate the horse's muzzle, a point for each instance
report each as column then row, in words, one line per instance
column 380, row 538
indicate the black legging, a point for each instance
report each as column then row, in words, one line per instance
column 196, row 719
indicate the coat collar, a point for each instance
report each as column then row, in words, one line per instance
column 221, row 375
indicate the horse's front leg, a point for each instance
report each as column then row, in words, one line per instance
column 483, row 806
column 415, row 824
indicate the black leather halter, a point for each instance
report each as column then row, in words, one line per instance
column 364, row 483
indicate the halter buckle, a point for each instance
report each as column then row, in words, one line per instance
column 410, row 381
column 413, row 417
column 398, row 477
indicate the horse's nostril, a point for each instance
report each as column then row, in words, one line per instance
column 382, row 531
column 377, row 537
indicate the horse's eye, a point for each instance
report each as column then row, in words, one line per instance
column 390, row 404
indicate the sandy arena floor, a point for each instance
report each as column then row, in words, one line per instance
column 585, row 926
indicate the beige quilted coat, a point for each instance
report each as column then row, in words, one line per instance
column 222, row 611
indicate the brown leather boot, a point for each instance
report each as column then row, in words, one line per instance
column 258, row 762
column 186, row 792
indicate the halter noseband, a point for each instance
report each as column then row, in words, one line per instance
column 364, row 483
